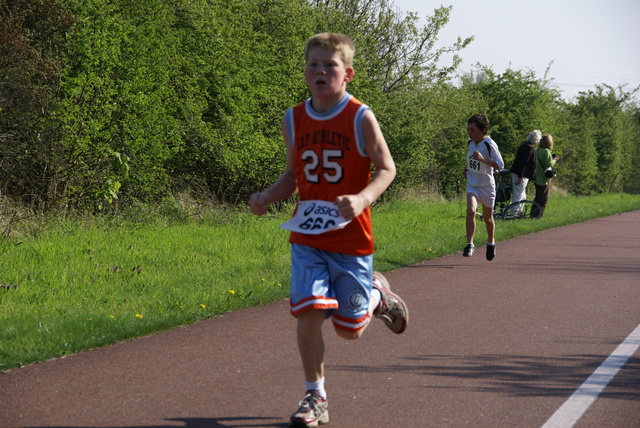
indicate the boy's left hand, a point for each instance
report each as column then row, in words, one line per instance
column 350, row 206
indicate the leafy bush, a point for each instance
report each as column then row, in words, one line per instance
column 110, row 103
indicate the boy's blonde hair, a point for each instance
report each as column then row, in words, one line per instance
column 546, row 142
column 338, row 43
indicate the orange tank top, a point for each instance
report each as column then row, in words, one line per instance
column 331, row 161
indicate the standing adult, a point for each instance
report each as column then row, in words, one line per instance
column 544, row 162
column 523, row 169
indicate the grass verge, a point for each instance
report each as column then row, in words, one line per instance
column 78, row 286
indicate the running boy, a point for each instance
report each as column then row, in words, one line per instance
column 483, row 157
column 331, row 141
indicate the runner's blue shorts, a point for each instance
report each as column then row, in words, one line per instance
column 338, row 283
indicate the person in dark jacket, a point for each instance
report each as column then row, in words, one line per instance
column 523, row 168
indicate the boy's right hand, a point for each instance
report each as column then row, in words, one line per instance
column 258, row 204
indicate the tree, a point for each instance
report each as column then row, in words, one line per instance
column 579, row 163
column 31, row 32
column 608, row 116
column 252, row 72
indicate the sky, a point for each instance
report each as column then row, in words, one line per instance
column 590, row 42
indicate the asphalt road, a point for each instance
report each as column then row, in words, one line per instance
column 490, row 344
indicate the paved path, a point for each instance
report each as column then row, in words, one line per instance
column 490, row 344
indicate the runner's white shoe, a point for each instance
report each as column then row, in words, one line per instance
column 312, row 411
column 392, row 309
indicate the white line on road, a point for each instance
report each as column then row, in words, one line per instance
column 573, row 409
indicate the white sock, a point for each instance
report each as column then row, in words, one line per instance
column 491, row 243
column 316, row 386
column 375, row 298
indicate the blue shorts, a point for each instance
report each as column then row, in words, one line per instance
column 338, row 283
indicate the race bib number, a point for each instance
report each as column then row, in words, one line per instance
column 315, row 218
column 476, row 166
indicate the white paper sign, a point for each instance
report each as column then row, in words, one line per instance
column 476, row 166
column 315, row 218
